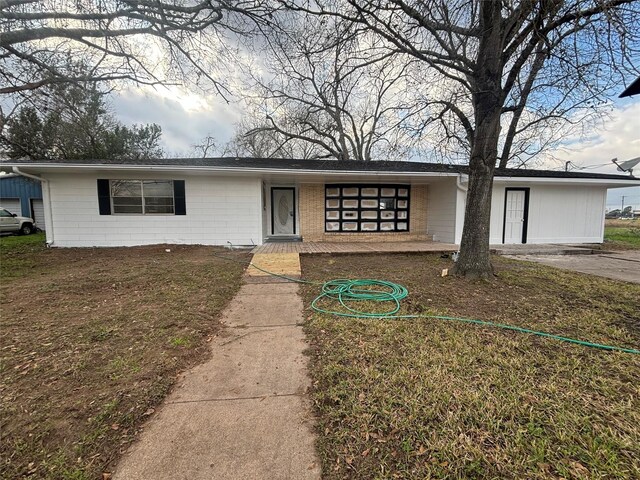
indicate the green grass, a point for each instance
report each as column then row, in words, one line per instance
column 180, row 342
column 623, row 237
column 419, row 399
column 17, row 252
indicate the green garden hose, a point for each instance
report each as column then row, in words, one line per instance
column 348, row 293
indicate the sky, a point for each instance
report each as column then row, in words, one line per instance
column 187, row 118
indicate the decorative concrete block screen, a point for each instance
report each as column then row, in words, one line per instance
column 367, row 208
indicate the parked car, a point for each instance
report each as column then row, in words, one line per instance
column 11, row 223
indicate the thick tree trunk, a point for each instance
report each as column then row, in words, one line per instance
column 474, row 260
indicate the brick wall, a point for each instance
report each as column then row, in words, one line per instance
column 311, row 208
column 219, row 210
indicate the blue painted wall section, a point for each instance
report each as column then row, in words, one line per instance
column 15, row 186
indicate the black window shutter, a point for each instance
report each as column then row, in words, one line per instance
column 104, row 200
column 179, row 197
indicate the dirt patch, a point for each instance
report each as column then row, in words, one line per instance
column 92, row 340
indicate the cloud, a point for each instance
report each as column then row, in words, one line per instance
column 186, row 118
column 618, row 138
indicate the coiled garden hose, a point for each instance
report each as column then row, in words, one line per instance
column 347, row 293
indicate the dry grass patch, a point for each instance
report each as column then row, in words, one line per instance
column 92, row 340
column 416, row 399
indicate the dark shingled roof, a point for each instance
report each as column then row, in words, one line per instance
column 335, row 165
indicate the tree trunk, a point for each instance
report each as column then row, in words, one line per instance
column 474, row 260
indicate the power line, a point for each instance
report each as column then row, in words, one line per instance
column 586, row 167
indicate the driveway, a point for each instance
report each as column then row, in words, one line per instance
column 618, row 266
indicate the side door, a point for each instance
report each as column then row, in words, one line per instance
column 516, row 213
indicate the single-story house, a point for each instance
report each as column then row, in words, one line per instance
column 22, row 196
column 247, row 201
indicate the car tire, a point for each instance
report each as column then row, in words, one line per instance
column 26, row 229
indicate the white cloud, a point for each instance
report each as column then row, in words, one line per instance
column 185, row 117
column 618, row 137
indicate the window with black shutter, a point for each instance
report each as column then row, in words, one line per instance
column 141, row 197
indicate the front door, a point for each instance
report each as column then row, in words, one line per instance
column 516, row 205
column 283, row 211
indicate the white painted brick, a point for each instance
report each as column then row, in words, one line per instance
column 219, row 209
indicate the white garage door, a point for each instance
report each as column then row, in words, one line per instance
column 38, row 213
column 11, row 204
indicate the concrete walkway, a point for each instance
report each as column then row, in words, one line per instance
column 618, row 266
column 244, row 413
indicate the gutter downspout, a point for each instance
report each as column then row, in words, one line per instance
column 45, row 188
column 459, row 184
column 459, row 188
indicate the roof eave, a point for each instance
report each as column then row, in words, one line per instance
column 215, row 169
column 46, row 167
column 603, row 182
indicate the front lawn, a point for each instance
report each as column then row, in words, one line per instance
column 423, row 398
column 92, row 340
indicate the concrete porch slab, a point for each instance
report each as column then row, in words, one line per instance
column 345, row 247
column 545, row 249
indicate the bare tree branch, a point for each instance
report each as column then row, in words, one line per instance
column 115, row 38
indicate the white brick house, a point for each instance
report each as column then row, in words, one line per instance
column 249, row 201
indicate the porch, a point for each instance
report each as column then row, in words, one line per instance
column 355, row 247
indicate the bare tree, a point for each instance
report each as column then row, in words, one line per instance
column 207, row 147
column 120, row 39
column 254, row 138
column 503, row 57
column 328, row 83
